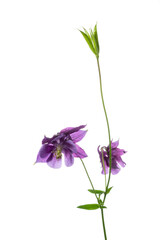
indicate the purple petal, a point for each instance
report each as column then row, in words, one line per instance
column 115, row 170
column 70, row 145
column 77, row 136
column 119, row 160
column 98, row 149
column 115, row 144
column 80, row 152
column 52, row 139
column 118, row 152
column 44, row 153
column 68, row 158
column 106, row 161
column 106, row 157
column 47, row 140
column 66, row 129
column 70, row 130
column 53, row 162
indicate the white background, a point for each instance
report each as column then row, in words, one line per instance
column 49, row 81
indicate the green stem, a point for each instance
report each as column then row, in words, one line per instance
column 109, row 135
column 88, row 177
column 104, row 229
column 103, row 166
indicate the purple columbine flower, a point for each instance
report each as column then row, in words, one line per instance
column 116, row 158
column 64, row 143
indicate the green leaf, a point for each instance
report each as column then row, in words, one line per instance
column 108, row 190
column 86, row 32
column 92, row 37
column 88, row 40
column 89, row 206
column 95, row 191
column 96, row 38
column 103, row 207
column 93, row 41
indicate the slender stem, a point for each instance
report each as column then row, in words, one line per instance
column 104, row 229
column 109, row 135
column 88, row 176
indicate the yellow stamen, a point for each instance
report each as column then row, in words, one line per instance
column 58, row 152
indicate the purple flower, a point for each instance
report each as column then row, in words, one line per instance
column 116, row 158
column 64, row 143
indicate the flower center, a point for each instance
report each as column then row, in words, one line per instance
column 58, row 152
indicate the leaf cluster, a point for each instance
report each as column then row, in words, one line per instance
column 91, row 38
column 100, row 203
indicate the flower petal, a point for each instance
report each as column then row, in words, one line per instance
column 52, row 139
column 77, row 136
column 118, row 152
column 47, row 139
column 68, row 158
column 70, row 130
column 115, row 144
column 114, row 171
column 119, row 160
column 80, row 152
column 66, row 129
column 69, row 144
column 44, row 153
column 54, row 162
